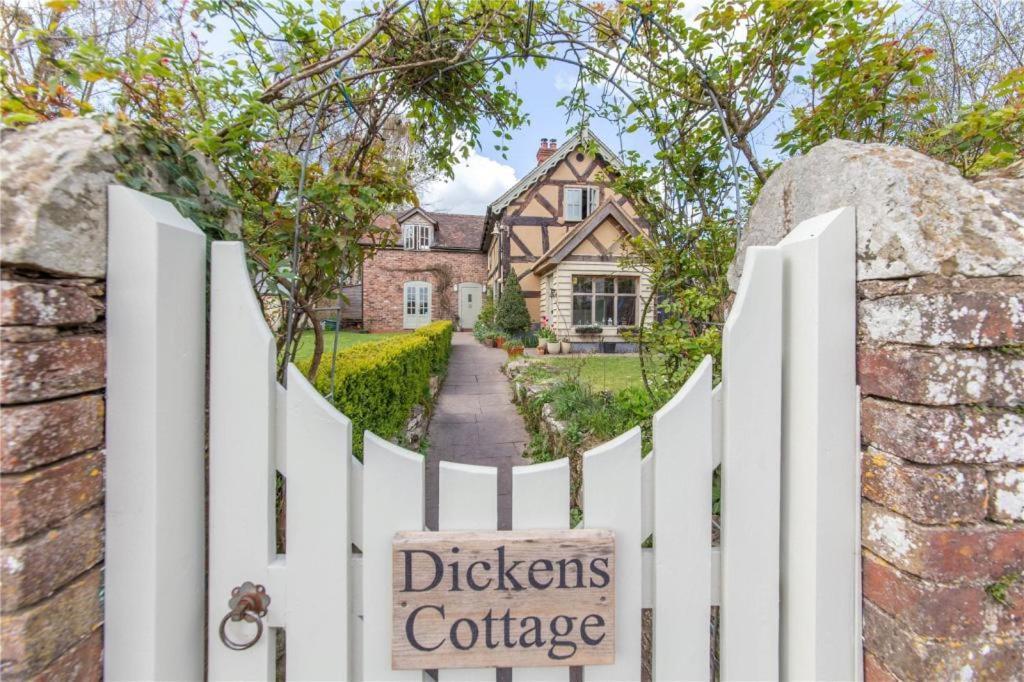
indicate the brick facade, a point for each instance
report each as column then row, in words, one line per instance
column 51, row 475
column 942, row 384
column 385, row 274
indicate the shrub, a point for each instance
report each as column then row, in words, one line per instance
column 377, row 384
column 486, row 314
column 511, row 315
column 440, row 336
column 480, row 331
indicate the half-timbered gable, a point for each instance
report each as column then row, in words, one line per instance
column 547, row 210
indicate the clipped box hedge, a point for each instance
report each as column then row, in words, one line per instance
column 377, row 384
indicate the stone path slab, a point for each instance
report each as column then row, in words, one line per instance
column 475, row 422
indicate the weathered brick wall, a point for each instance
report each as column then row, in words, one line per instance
column 940, row 263
column 942, row 382
column 51, row 475
column 385, row 275
column 53, row 228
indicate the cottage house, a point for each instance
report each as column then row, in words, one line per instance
column 561, row 228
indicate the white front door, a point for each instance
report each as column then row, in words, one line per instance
column 417, row 305
column 470, row 295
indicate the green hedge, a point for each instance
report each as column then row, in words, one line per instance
column 377, row 384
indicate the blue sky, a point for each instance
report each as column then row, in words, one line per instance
column 486, row 174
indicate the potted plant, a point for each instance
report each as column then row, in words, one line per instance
column 514, row 349
column 566, row 345
column 499, row 341
column 489, row 339
column 549, row 341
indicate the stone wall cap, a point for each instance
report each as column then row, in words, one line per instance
column 915, row 215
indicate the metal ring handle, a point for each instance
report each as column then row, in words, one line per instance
column 249, row 602
column 241, row 646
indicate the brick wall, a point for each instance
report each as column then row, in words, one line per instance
column 942, row 381
column 940, row 270
column 53, row 241
column 385, row 275
column 51, row 475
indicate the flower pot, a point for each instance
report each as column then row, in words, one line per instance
column 489, row 343
column 553, row 347
column 514, row 352
column 499, row 342
column 542, row 348
column 566, row 346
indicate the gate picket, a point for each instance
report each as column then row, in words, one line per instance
column 467, row 500
column 751, row 462
column 319, row 440
column 682, row 531
column 395, row 476
column 611, row 500
column 242, row 482
column 784, row 415
column 540, row 500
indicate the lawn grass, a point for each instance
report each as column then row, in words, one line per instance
column 345, row 340
column 601, row 372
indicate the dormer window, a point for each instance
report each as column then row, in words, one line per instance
column 580, row 202
column 417, row 237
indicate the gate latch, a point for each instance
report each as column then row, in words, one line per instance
column 248, row 602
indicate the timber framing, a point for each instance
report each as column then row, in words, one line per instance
column 584, row 231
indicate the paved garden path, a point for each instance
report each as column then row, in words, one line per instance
column 475, row 422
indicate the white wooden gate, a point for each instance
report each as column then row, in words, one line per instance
column 782, row 425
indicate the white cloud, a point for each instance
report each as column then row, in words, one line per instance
column 478, row 181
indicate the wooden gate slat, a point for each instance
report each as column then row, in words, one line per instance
column 319, row 440
column 242, row 460
column 540, row 500
column 682, row 531
column 611, row 500
column 155, row 429
column 467, row 500
column 820, row 498
column 751, row 378
column 393, row 477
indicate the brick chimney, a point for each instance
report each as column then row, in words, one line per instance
column 545, row 150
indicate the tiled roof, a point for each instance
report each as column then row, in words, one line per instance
column 458, row 230
column 452, row 230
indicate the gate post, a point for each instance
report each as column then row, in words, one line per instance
column 156, row 361
column 820, row 474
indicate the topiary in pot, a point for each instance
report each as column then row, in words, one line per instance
column 511, row 315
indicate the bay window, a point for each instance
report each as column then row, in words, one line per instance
column 604, row 300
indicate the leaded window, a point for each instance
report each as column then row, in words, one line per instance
column 608, row 301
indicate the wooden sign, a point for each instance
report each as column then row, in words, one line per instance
column 467, row 599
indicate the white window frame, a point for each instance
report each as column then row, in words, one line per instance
column 580, row 202
column 422, row 306
column 417, row 237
